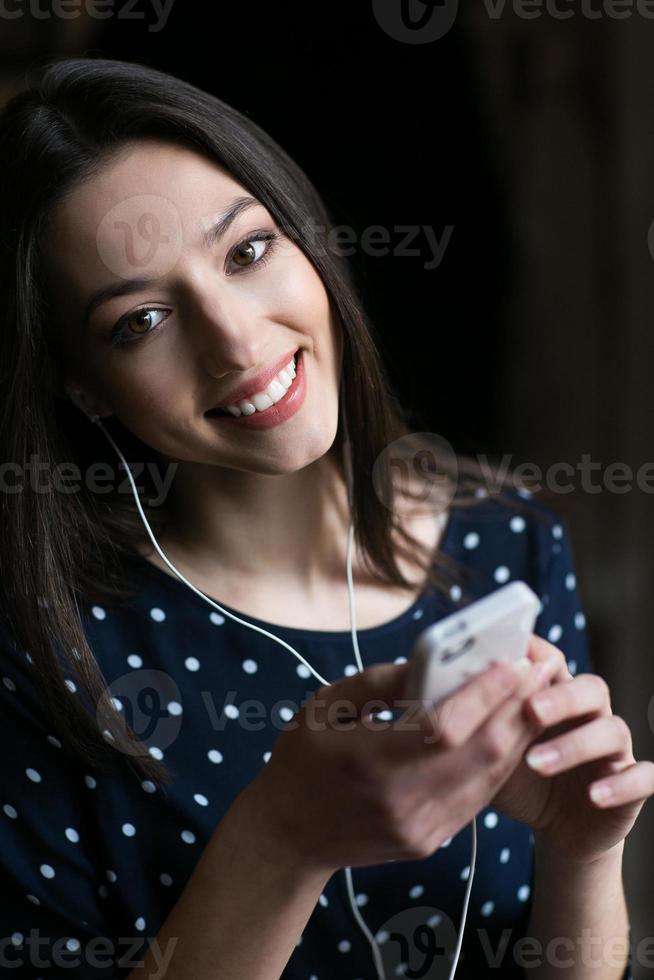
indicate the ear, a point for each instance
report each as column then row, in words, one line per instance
column 83, row 402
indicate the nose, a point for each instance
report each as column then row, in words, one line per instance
column 229, row 327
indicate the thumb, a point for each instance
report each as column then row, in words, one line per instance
column 373, row 689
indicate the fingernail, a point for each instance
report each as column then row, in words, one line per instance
column 522, row 667
column 542, row 758
column 600, row 793
column 544, row 668
column 542, row 705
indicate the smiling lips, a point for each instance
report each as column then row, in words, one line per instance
column 259, row 385
column 288, row 402
column 269, row 396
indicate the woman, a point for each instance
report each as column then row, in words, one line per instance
column 165, row 823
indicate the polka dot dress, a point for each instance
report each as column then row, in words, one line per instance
column 86, row 855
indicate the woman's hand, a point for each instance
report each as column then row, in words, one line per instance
column 343, row 789
column 594, row 747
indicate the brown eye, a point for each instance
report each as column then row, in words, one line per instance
column 125, row 333
column 245, row 251
column 141, row 318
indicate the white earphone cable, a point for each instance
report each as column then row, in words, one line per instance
column 348, row 871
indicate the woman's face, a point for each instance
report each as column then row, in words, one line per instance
column 213, row 317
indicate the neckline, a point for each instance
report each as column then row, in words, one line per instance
column 177, row 587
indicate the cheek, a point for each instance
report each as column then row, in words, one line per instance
column 161, row 394
column 152, row 400
column 156, row 415
column 298, row 294
column 144, row 380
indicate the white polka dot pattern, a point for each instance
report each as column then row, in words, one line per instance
column 233, row 692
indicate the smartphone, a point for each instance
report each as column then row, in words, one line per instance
column 448, row 653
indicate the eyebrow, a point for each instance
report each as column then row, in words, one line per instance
column 209, row 237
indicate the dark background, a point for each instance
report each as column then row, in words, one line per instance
column 533, row 140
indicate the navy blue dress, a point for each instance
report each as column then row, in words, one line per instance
column 92, row 863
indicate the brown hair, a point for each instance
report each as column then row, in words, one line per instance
column 66, row 549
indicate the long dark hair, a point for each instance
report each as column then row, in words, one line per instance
column 64, row 549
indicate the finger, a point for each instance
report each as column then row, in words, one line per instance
column 451, row 721
column 362, row 692
column 595, row 740
column 587, row 693
column 540, row 649
column 629, row 786
column 509, row 730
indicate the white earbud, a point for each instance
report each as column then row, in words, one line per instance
column 77, row 400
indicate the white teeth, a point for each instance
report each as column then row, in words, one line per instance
column 276, row 389
column 272, row 394
column 261, row 401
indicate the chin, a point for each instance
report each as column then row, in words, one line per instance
column 298, row 451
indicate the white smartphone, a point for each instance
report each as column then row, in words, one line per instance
column 448, row 653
